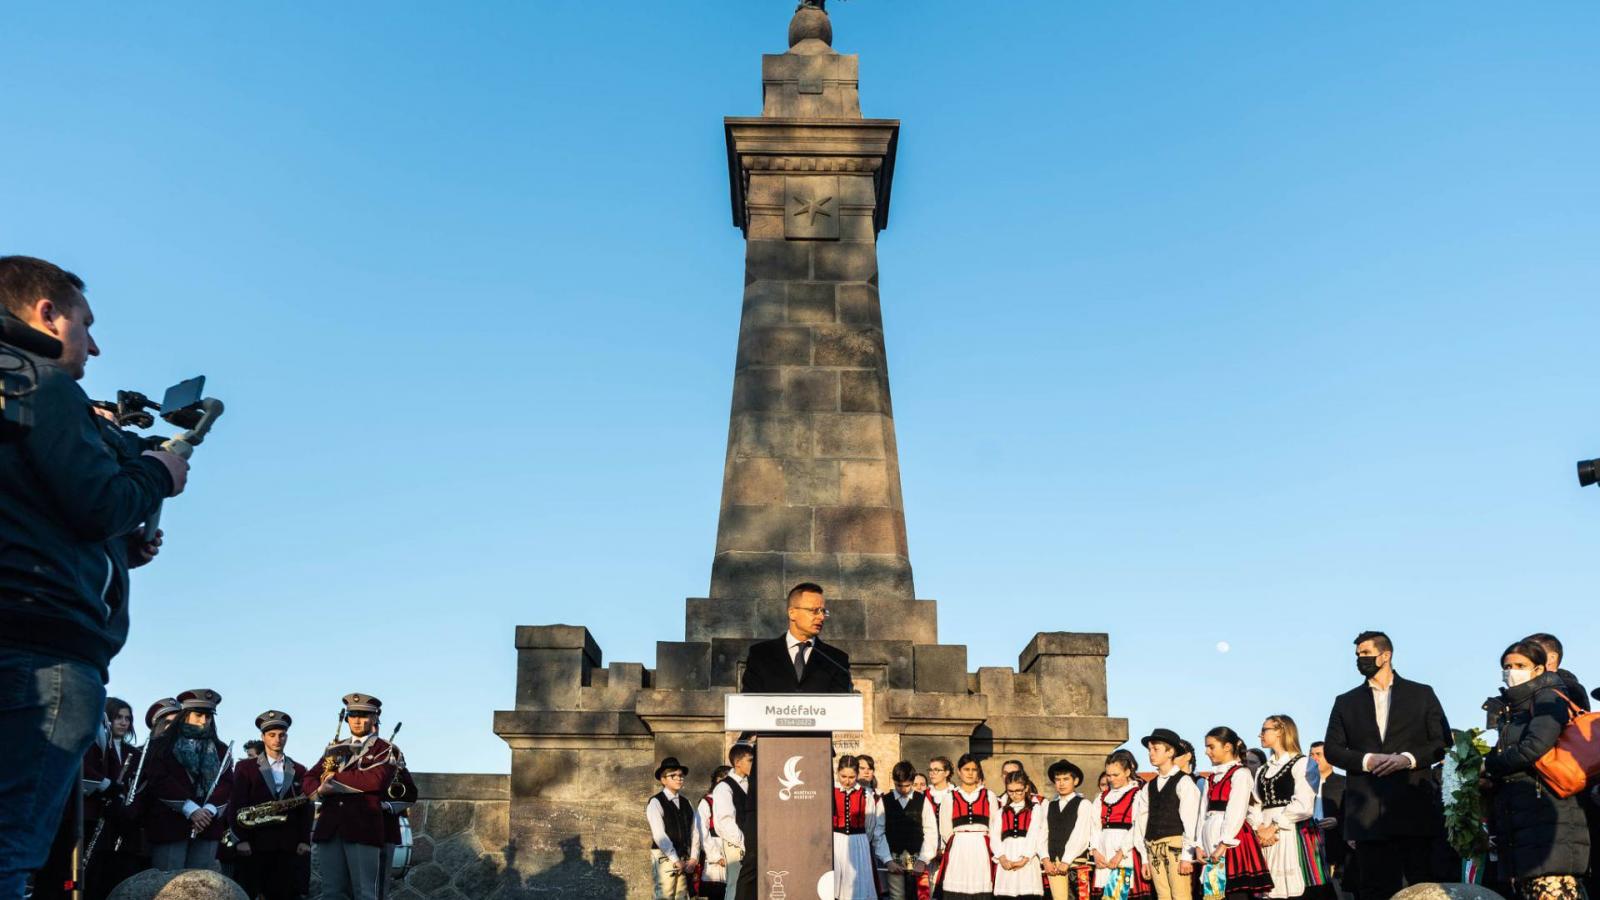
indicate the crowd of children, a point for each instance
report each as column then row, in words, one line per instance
column 1234, row 832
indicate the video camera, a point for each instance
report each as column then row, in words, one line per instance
column 1587, row 473
column 19, row 374
column 184, row 406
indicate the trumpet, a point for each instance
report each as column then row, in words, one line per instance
column 271, row 812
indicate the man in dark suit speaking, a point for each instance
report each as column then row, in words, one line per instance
column 799, row 662
column 1387, row 734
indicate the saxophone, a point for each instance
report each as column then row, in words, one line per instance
column 271, row 812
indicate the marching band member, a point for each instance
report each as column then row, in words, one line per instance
column 272, row 860
column 351, row 782
column 189, row 781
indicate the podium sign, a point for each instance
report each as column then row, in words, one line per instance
column 794, row 799
column 793, row 713
column 793, row 782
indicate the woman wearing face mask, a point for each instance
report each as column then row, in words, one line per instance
column 1542, row 839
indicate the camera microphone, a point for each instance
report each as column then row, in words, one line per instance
column 1587, row 474
column 16, row 332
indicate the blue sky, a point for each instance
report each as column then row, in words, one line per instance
column 1207, row 322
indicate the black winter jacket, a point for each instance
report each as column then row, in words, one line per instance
column 72, row 494
column 1536, row 832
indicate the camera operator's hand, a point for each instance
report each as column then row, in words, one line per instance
column 140, row 551
column 177, row 467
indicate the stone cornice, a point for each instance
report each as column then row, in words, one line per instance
column 799, row 146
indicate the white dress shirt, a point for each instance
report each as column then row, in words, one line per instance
column 1380, row 706
column 793, row 642
column 1188, row 811
column 658, row 827
column 723, row 811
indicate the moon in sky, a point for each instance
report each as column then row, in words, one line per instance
column 1222, row 647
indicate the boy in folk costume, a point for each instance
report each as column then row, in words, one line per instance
column 859, row 847
column 1166, row 818
column 1069, row 826
column 1118, row 862
column 1021, row 842
column 731, row 806
column 911, row 829
column 188, row 781
column 674, row 834
column 1228, row 843
column 271, row 860
column 714, row 866
column 969, row 826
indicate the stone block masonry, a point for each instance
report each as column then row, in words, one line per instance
column 810, row 492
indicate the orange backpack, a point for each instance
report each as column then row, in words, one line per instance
column 1568, row 766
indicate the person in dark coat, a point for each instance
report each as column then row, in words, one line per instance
column 1387, row 734
column 1542, row 840
column 798, row 662
column 188, row 784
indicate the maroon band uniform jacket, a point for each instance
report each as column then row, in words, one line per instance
column 252, row 786
column 167, row 787
column 352, row 806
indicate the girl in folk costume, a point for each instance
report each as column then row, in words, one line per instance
column 1118, row 863
column 859, row 846
column 714, row 873
column 1021, row 842
column 969, row 826
column 1287, row 790
column 940, row 771
column 1235, row 865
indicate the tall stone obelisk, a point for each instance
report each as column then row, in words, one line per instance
column 811, row 488
column 810, row 492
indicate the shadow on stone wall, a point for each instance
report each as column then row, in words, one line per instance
column 573, row 876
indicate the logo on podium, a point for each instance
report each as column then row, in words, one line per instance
column 790, row 779
column 777, row 892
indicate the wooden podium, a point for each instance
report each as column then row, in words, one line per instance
column 793, row 786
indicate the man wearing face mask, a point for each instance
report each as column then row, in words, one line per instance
column 1387, row 734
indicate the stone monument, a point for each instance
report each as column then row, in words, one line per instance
column 810, row 492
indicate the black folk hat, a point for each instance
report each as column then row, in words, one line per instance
column 671, row 764
column 1164, row 735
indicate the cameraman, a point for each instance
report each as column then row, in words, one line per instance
column 74, row 492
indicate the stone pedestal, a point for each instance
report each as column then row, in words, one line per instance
column 811, row 492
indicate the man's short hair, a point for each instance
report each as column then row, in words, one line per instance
column 1316, row 744
column 25, row 280
column 738, row 752
column 1378, row 639
column 258, row 746
column 903, row 771
column 804, row 587
column 1550, row 643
